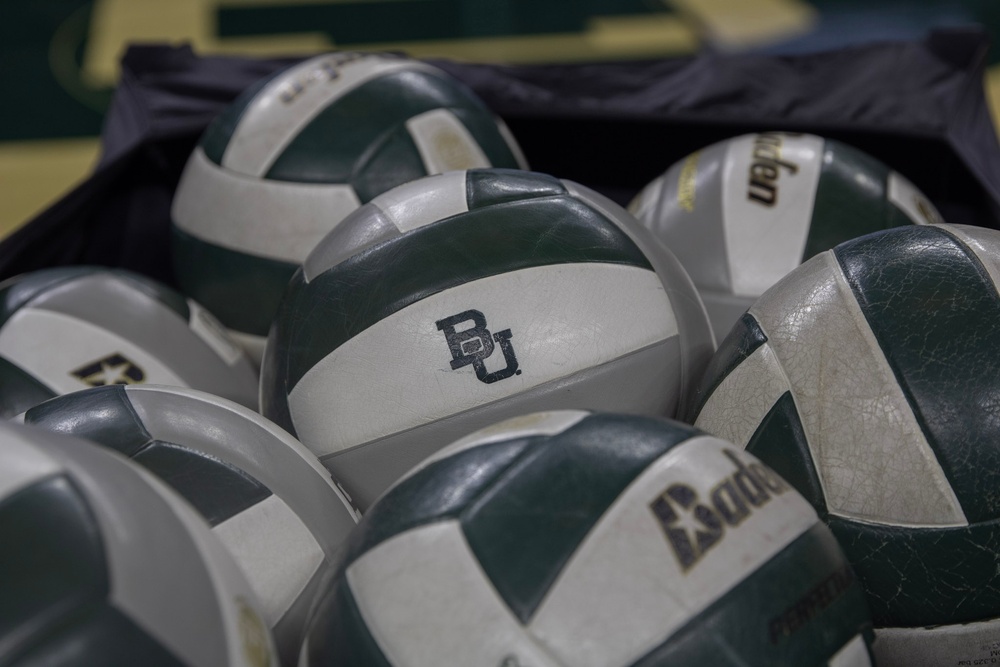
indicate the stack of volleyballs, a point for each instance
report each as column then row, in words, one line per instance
column 299, row 151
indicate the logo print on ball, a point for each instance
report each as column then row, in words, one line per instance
column 766, row 169
column 699, row 527
column 324, row 71
column 253, row 634
column 474, row 344
column 112, row 369
column 812, row 604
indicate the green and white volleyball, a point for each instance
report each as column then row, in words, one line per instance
column 299, row 151
column 102, row 564
column 265, row 496
column 583, row 539
column 742, row 213
column 461, row 299
column 73, row 328
column 868, row 379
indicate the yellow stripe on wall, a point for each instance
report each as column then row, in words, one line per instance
column 991, row 82
column 116, row 23
column 740, row 24
column 606, row 38
column 33, row 174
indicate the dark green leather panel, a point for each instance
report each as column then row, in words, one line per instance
column 851, row 199
column 780, row 442
column 439, row 492
column 489, row 187
column 936, row 316
column 241, row 290
column 102, row 414
column 924, row 576
column 799, row 608
column 526, row 526
column 52, row 561
column 19, row 390
column 215, row 488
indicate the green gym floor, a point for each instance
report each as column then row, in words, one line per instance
column 58, row 58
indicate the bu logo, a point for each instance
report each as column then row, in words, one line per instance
column 474, row 344
column 112, row 369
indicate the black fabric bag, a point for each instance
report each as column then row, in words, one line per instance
column 918, row 106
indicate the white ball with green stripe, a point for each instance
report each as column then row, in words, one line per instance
column 461, row 299
column 265, row 496
column 578, row 539
column 67, row 329
column 103, row 564
column 742, row 213
column 300, row 150
column 868, row 378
